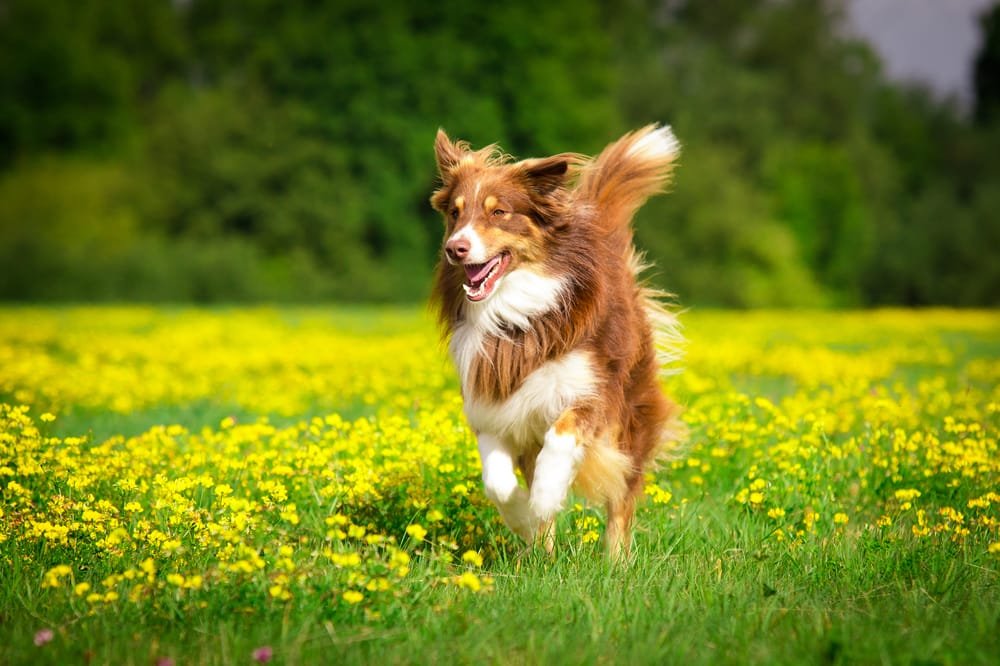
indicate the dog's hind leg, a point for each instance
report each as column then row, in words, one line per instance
column 618, row 533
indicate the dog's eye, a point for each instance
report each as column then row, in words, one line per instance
column 499, row 212
column 454, row 213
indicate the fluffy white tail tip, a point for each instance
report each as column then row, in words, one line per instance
column 660, row 144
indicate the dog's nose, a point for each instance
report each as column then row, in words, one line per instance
column 457, row 249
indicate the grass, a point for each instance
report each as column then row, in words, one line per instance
column 838, row 502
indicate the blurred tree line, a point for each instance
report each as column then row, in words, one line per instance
column 261, row 149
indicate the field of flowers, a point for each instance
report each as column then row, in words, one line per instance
column 231, row 485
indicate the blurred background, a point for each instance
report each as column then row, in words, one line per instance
column 835, row 153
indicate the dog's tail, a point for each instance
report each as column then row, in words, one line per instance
column 626, row 173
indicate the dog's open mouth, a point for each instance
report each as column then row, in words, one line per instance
column 480, row 279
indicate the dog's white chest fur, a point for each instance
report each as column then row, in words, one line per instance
column 550, row 389
column 523, row 418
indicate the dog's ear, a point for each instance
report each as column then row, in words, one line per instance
column 545, row 179
column 448, row 154
column 545, row 174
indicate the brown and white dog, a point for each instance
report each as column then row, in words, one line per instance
column 558, row 346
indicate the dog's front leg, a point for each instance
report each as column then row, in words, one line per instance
column 555, row 469
column 502, row 488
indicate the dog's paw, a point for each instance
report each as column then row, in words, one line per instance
column 499, row 487
column 546, row 502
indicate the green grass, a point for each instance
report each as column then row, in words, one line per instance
column 702, row 588
column 709, row 580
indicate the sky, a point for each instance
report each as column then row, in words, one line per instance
column 931, row 41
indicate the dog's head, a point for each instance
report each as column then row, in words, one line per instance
column 499, row 215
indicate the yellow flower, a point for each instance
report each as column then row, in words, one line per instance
column 416, row 531
column 278, row 591
column 469, row 580
column 353, row 596
column 840, row 518
column 473, row 558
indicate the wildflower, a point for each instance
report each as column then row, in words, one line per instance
column 278, row 591
column 840, row 518
column 469, row 580
column 54, row 576
column 353, row 597
column 43, row 636
column 416, row 531
column 47, row 417
column 263, row 654
column 473, row 558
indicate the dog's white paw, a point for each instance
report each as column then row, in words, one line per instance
column 522, row 525
column 546, row 502
column 499, row 487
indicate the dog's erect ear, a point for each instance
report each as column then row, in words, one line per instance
column 448, row 154
column 545, row 174
column 546, row 179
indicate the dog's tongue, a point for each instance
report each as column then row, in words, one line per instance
column 478, row 272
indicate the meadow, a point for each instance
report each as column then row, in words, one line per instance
column 297, row 485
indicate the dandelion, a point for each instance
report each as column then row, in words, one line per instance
column 469, row 581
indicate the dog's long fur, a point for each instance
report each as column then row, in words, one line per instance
column 558, row 345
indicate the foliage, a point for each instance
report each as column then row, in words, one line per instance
column 293, row 139
column 194, row 484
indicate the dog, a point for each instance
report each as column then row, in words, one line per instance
column 558, row 344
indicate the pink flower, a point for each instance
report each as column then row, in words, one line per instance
column 43, row 636
column 263, row 654
column 164, row 661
